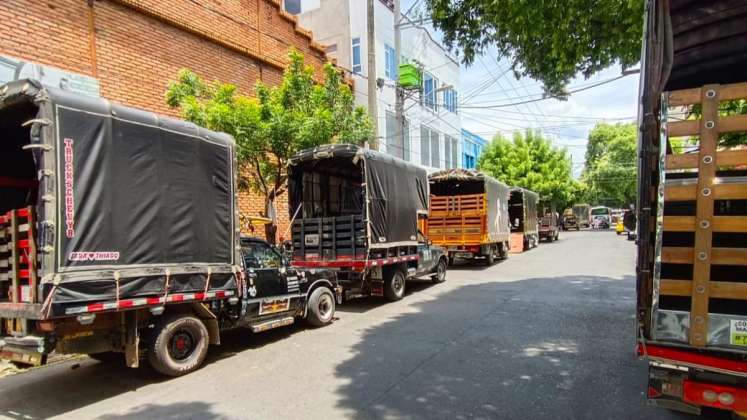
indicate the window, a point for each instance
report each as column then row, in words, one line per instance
column 425, row 141
column 260, row 255
column 435, row 157
column 430, row 84
column 390, row 67
column 447, row 152
column 454, row 152
column 450, row 100
column 357, row 66
column 293, row 6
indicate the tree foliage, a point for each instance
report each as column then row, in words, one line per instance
column 727, row 108
column 532, row 162
column 610, row 170
column 548, row 40
column 278, row 122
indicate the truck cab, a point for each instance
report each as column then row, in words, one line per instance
column 280, row 292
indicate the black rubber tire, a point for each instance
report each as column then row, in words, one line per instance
column 440, row 275
column 321, row 307
column 394, row 286
column 160, row 357
column 490, row 258
column 107, row 357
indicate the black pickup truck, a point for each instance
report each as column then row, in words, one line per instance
column 357, row 211
column 119, row 234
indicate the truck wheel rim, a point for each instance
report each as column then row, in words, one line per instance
column 181, row 345
column 441, row 271
column 397, row 283
column 325, row 306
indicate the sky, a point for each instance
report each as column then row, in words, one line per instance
column 489, row 82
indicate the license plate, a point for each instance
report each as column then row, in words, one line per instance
column 311, row 240
column 738, row 332
column 271, row 306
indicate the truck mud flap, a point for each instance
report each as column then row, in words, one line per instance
column 666, row 390
column 377, row 288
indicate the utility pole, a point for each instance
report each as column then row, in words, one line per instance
column 371, row 45
column 399, row 94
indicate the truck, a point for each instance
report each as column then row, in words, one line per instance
column 522, row 212
column 601, row 216
column 549, row 228
column 469, row 215
column 582, row 212
column 119, row 235
column 691, row 305
column 357, row 211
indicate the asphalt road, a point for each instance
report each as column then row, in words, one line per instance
column 545, row 334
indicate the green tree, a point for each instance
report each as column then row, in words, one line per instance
column 532, row 162
column 548, row 40
column 610, row 170
column 271, row 127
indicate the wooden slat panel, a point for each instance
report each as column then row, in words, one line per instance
column 731, row 157
column 728, row 290
column 731, row 191
column 675, row 287
column 684, row 97
column 733, row 91
column 685, row 255
column 680, row 192
column 732, row 123
column 677, row 255
column 683, row 128
column 720, row 224
column 692, row 96
column 682, row 161
column 718, row 289
column 679, row 223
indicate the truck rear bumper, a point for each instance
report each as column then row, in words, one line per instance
column 21, row 310
column 688, row 380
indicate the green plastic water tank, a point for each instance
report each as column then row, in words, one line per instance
column 409, row 76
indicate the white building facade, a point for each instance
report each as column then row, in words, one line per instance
column 432, row 133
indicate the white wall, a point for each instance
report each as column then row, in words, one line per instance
column 416, row 45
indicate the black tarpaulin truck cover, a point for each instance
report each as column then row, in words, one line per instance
column 395, row 191
column 132, row 204
column 531, row 201
column 496, row 194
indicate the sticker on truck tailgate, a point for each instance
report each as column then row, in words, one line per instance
column 738, row 332
column 271, row 306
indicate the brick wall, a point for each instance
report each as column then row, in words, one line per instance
column 135, row 47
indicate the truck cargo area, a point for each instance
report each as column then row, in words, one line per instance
column 329, row 218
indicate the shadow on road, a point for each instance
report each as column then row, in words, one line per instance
column 498, row 350
column 192, row 410
column 365, row 304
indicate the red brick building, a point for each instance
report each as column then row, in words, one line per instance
column 134, row 48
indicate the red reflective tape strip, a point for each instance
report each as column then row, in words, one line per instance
column 126, row 303
column 220, row 294
column 694, row 358
column 693, row 393
column 95, row 307
column 152, row 301
column 24, row 274
column 199, row 296
column 176, row 298
column 23, row 243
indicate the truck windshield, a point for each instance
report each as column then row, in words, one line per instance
column 260, row 255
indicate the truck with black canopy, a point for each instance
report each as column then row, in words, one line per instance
column 522, row 211
column 357, row 210
column 119, row 233
column 469, row 215
column 692, row 206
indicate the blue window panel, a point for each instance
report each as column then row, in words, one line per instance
column 357, row 66
column 390, row 68
column 429, row 91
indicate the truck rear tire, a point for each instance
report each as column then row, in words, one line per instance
column 440, row 275
column 179, row 345
column 321, row 307
column 394, row 286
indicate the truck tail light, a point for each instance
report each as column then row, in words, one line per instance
column 710, row 396
column 726, row 398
